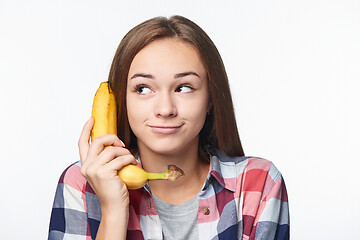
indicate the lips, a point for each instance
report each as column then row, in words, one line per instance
column 165, row 129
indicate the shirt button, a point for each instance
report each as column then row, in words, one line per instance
column 206, row 211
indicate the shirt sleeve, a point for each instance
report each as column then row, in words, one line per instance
column 272, row 219
column 69, row 217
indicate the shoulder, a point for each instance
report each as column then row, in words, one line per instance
column 72, row 177
column 71, row 189
column 69, row 213
column 252, row 173
column 243, row 163
column 262, row 166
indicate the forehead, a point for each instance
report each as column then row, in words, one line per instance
column 171, row 54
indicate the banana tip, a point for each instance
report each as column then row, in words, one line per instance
column 173, row 172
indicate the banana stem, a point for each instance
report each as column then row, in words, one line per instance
column 172, row 173
column 156, row 176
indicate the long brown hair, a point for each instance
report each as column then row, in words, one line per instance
column 220, row 128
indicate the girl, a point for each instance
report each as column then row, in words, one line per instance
column 174, row 107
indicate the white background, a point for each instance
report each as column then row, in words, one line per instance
column 294, row 70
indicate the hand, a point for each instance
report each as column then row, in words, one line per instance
column 100, row 165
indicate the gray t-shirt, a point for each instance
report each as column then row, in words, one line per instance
column 179, row 222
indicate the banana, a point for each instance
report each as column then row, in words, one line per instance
column 104, row 114
column 135, row 177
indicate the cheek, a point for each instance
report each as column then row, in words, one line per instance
column 135, row 113
column 196, row 113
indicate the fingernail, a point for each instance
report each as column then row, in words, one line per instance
column 123, row 144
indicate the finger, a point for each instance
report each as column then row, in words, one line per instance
column 85, row 138
column 110, row 153
column 120, row 162
column 98, row 144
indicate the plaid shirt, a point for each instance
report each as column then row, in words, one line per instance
column 242, row 198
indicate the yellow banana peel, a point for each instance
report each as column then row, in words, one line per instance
column 104, row 114
column 135, row 177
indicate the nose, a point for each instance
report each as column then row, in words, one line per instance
column 165, row 106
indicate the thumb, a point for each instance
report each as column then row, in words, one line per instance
column 85, row 138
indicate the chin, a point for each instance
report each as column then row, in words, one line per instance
column 167, row 147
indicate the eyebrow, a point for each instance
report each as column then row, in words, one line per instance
column 178, row 75
column 143, row 75
column 184, row 74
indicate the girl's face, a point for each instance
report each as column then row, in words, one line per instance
column 167, row 96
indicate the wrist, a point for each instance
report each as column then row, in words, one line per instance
column 113, row 224
column 113, row 213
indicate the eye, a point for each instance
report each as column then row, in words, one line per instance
column 185, row 88
column 142, row 89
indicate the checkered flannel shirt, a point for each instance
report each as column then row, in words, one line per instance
column 242, row 198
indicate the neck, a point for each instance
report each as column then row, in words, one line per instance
column 185, row 187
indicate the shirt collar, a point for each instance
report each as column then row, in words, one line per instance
column 223, row 169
